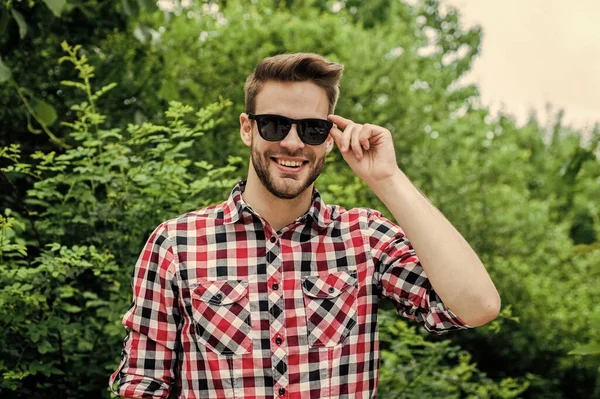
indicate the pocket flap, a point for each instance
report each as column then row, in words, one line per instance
column 328, row 286
column 222, row 292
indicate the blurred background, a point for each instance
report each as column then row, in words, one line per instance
column 537, row 54
column 116, row 115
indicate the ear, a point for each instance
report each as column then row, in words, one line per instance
column 329, row 144
column 246, row 129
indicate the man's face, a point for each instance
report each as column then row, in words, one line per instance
column 295, row 100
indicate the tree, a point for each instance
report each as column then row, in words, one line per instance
column 522, row 196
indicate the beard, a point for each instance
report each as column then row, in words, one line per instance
column 284, row 187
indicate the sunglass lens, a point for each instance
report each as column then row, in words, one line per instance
column 274, row 128
column 316, row 132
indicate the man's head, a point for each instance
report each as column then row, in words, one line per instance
column 296, row 86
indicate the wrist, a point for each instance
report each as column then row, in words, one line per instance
column 395, row 182
column 397, row 193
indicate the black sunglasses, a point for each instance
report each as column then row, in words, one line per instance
column 311, row 131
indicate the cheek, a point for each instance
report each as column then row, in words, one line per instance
column 321, row 153
column 261, row 150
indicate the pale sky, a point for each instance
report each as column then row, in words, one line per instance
column 538, row 51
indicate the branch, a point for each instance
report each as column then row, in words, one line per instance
column 44, row 127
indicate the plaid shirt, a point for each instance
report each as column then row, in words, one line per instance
column 226, row 307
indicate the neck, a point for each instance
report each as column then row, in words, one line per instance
column 276, row 211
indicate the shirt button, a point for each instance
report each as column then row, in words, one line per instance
column 331, row 290
column 278, row 340
column 275, row 286
column 281, row 391
column 273, row 239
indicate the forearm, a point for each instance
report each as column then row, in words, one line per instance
column 454, row 269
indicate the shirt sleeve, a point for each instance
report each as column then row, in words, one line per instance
column 149, row 357
column 401, row 277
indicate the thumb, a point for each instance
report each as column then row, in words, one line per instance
column 336, row 134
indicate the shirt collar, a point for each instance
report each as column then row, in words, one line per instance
column 236, row 206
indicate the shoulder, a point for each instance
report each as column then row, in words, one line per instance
column 371, row 222
column 210, row 215
column 364, row 216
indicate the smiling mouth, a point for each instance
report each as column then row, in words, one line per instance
column 291, row 165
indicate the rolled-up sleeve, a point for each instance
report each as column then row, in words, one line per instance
column 149, row 357
column 401, row 277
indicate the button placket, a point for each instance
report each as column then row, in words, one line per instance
column 276, row 312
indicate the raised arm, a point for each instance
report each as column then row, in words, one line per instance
column 455, row 271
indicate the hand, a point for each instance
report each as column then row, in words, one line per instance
column 368, row 149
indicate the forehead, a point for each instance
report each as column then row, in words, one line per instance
column 292, row 99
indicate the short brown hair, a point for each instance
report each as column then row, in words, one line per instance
column 296, row 67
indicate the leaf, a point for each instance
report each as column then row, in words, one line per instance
column 84, row 346
column 130, row 8
column 73, row 84
column 44, row 112
column 26, row 287
column 20, row 21
column 71, row 308
column 142, row 33
column 45, row 347
column 4, row 72
column 589, row 349
column 56, row 6
column 94, row 303
column 35, row 335
column 90, row 295
column 103, row 90
column 3, row 19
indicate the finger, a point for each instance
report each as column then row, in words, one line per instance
column 337, row 135
column 365, row 135
column 357, row 131
column 340, row 121
column 346, row 137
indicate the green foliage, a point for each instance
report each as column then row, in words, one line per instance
column 414, row 367
column 589, row 349
column 60, row 304
column 4, row 72
column 85, row 180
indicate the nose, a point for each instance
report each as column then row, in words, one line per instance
column 292, row 141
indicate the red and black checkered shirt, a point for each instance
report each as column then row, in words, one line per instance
column 226, row 307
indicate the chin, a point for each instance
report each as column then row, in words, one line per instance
column 287, row 189
column 285, row 184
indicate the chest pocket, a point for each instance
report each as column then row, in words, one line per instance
column 221, row 315
column 330, row 302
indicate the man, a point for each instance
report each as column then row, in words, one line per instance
column 273, row 293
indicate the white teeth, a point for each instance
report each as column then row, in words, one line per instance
column 289, row 163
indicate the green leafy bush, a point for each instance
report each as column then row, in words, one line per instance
column 64, row 289
column 413, row 367
column 523, row 196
